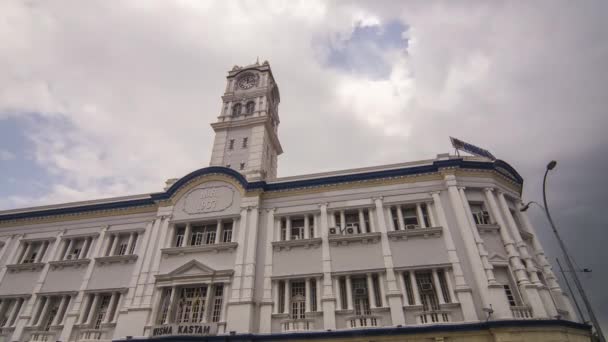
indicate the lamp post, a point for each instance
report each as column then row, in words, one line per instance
column 569, row 264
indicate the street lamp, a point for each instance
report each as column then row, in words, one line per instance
column 571, row 269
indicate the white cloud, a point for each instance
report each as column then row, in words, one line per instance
column 6, row 155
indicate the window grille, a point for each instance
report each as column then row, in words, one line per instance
column 281, row 297
column 395, row 217
column 53, row 311
column 236, row 109
column 410, row 218
column 283, row 229
column 510, row 295
column 427, row 291
column 191, row 305
column 298, row 299
column 250, row 108
column 313, row 295
column 231, row 145
column 311, row 226
column 480, row 215
column 134, row 243
column 227, row 233
column 297, row 229
column 245, row 141
column 425, row 214
column 218, row 299
column 102, row 311
column 444, row 286
column 408, row 288
column 360, row 296
column 179, row 236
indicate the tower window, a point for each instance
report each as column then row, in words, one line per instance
column 242, row 166
column 245, row 140
column 249, row 108
column 231, row 144
column 236, row 109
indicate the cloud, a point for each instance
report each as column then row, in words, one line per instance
column 6, row 155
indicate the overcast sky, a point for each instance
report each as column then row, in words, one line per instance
column 106, row 98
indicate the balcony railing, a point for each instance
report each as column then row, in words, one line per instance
column 430, row 317
column 522, row 312
column 297, row 325
column 42, row 336
column 91, row 335
column 363, row 322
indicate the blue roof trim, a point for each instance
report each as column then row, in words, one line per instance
column 376, row 332
column 498, row 165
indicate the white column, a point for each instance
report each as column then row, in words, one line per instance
column 28, row 248
column 208, row 307
column 349, row 293
column 362, row 226
column 3, row 307
column 400, row 218
column 382, row 293
column 315, row 226
column 93, row 309
column 438, row 287
column 232, row 236
column 115, row 238
column 225, row 302
column 275, row 297
column 67, row 250
column 329, row 308
column 338, row 291
column 306, row 227
column 342, row 219
column 172, row 303
column 42, row 251
column 36, row 310
column 288, row 228
column 218, row 231
column 43, row 312
column 403, row 290
column 85, row 246
column 187, row 234
column 111, row 307
column 448, row 281
column 12, row 317
column 414, row 284
column 130, row 243
column 83, row 308
column 372, row 224
column 308, row 294
column 429, row 208
column 318, row 290
column 370, row 291
column 420, row 215
column 287, row 297
column 58, row 316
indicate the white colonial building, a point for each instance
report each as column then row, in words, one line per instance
column 434, row 249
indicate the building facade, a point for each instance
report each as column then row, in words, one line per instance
column 429, row 249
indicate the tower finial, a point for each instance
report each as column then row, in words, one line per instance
column 257, row 60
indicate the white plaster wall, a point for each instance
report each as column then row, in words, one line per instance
column 356, row 256
column 109, row 276
column 66, row 279
column 19, row 283
column 298, row 260
column 419, row 251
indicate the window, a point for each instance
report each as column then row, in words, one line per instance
column 104, row 304
column 236, row 109
column 425, row 215
column 360, row 296
column 410, row 218
column 231, row 145
column 510, row 296
column 218, row 298
column 281, row 296
column 245, row 141
column 298, row 299
column 427, row 291
column 377, row 294
column 297, row 229
column 227, row 232
column 444, row 286
column 191, row 305
column 203, row 235
column 408, row 288
column 121, row 244
column 164, row 306
column 354, row 221
column 33, row 251
column 343, row 299
column 9, row 316
column 249, row 108
column 179, row 236
column 480, row 214
column 242, row 166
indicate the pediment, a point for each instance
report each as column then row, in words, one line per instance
column 193, row 269
column 497, row 258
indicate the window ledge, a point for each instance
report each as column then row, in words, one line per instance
column 15, row 268
column 346, row 239
column 125, row 259
column 69, row 263
column 287, row 245
column 424, row 232
column 216, row 247
column 488, row 228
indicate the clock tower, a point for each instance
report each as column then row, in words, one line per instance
column 246, row 133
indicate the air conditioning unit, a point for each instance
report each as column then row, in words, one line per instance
column 70, row 257
column 350, row 230
column 361, row 291
column 333, row 231
column 426, row 286
column 411, row 226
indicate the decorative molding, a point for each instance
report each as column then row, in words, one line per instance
column 16, row 268
column 60, row 264
column 215, row 247
column 488, row 228
column 125, row 259
column 287, row 245
column 418, row 232
column 344, row 240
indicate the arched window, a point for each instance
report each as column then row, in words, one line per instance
column 250, row 108
column 236, row 109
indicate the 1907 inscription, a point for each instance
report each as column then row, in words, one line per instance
column 208, row 199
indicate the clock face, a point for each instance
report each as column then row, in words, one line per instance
column 247, row 81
